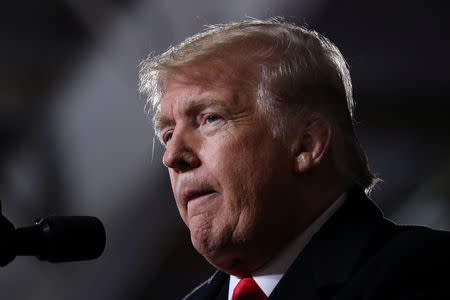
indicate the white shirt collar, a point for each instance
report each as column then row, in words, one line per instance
column 270, row 274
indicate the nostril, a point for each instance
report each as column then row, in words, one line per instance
column 182, row 166
column 181, row 160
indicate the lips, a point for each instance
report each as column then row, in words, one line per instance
column 195, row 194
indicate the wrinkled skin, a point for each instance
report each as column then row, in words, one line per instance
column 235, row 185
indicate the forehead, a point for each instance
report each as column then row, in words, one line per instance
column 208, row 84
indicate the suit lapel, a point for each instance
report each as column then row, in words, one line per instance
column 333, row 254
column 297, row 283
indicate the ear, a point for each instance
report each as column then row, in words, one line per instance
column 313, row 143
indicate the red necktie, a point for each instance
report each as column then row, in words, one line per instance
column 248, row 289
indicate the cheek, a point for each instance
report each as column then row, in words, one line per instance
column 213, row 155
column 244, row 169
column 239, row 180
column 225, row 151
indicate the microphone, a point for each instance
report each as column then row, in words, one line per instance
column 61, row 239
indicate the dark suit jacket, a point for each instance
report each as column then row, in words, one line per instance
column 358, row 254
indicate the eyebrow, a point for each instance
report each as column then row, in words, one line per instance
column 191, row 106
column 160, row 122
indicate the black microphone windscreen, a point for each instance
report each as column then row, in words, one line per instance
column 75, row 238
column 62, row 239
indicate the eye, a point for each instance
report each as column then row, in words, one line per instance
column 167, row 137
column 212, row 118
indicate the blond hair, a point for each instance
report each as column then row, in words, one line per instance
column 296, row 69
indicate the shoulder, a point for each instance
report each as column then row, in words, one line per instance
column 409, row 243
column 413, row 261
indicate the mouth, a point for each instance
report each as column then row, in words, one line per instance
column 196, row 194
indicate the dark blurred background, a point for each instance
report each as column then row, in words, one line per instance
column 74, row 138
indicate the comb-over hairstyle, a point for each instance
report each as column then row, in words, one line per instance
column 294, row 70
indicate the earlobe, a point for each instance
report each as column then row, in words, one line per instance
column 304, row 162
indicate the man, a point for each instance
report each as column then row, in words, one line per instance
column 268, row 175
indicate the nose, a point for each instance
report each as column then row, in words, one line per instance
column 180, row 154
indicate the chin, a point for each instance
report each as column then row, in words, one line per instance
column 232, row 263
column 223, row 255
column 211, row 247
column 202, row 239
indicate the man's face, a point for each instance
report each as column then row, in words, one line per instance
column 233, row 181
